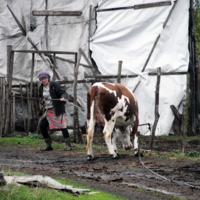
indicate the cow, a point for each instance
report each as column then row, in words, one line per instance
column 113, row 106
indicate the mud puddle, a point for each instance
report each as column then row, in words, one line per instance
column 124, row 176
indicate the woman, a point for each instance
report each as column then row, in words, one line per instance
column 55, row 110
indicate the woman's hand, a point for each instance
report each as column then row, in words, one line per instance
column 63, row 99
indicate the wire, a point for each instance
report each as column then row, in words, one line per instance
column 179, row 183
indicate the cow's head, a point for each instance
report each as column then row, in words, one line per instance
column 123, row 135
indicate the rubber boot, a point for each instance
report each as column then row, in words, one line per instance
column 68, row 144
column 48, row 145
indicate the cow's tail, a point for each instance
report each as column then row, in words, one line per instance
column 91, row 109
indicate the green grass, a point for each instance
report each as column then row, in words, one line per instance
column 37, row 193
column 36, row 141
column 170, row 138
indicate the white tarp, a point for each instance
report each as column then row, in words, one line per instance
column 126, row 35
column 44, row 181
column 65, row 33
column 129, row 35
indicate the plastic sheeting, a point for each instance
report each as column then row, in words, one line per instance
column 43, row 181
column 129, row 35
column 126, row 35
column 65, row 33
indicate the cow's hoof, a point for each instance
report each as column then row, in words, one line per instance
column 137, row 155
column 128, row 148
column 116, row 156
column 90, row 157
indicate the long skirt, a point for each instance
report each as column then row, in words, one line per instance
column 56, row 122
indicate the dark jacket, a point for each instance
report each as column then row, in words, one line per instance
column 56, row 92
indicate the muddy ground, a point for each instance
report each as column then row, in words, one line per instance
column 124, row 176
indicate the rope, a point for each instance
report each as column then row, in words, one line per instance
column 179, row 183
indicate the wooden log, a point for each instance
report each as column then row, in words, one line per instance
column 46, row 26
column 151, row 5
column 17, row 21
column 54, row 66
column 151, row 52
column 138, row 6
column 91, row 79
column 177, row 121
column 13, row 114
column 10, row 58
column 89, row 28
column 1, row 108
column 36, row 102
column 86, row 59
column 28, row 109
column 76, row 120
column 56, row 13
column 119, row 71
column 170, row 13
column 22, row 105
column 136, row 87
column 184, row 127
column 67, row 60
column 3, row 103
column 157, row 115
column 198, row 66
column 45, row 52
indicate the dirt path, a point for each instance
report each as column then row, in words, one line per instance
column 122, row 176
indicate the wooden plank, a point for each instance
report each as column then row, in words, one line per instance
column 54, row 66
column 99, row 77
column 31, row 85
column 170, row 13
column 151, row 52
column 157, row 115
column 177, row 120
column 114, row 9
column 76, row 120
column 3, row 103
column 32, row 73
column 86, row 59
column 70, row 61
column 10, row 58
column 56, row 13
column 176, row 113
column 43, row 51
column 1, row 108
column 36, row 101
column 46, row 26
column 13, row 114
column 138, row 6
column 28, row 109
column 151, row 5
column 22, row 105
column 136, row 87
column 17, row 21
column 119, row 71
column 41, row 55
column 185, row 119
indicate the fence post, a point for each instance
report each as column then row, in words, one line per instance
column 157, row 115
column 119, row 71
column 76, row 120
column 1, row 107
column 184, row 125
column 10, row 57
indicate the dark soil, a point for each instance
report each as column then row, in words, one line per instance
column 124, row 176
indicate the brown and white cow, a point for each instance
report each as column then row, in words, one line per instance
column 114, row 106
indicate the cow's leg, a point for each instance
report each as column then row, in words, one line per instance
column 113, row 138
column 108, row 129
column 135, row 137
column 90, row 132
